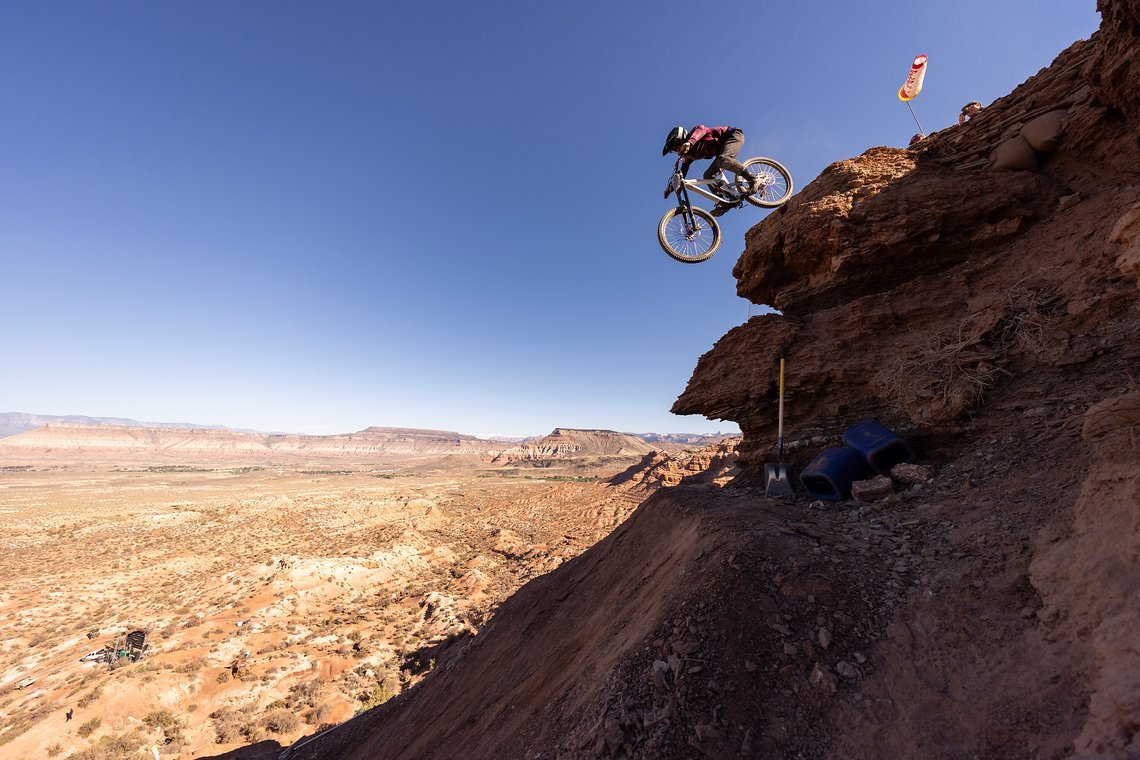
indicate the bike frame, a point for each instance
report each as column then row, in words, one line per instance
column 696, row 186
column 682, row 186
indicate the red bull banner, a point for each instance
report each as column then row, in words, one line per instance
column 913, row 84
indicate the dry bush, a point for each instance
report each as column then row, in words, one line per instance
column 171, row 727
column 383, row 690
column 232, row 725
column 193, row 666
column 160, row 719
column 280, row 721
column 89, row 727
column 319, row 715
column 950, row 376
column 111, row 748
column 953, row 373
column 305, row 694
column 54, row 750
column 19, row 722
column 1028, row 314
column 227, row 725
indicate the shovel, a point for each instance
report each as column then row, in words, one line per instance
column 778, row 482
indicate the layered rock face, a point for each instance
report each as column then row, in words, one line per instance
column 980, row 309
column 989, row 611
column 119, row 441
column 916, row 284
column 55, row 440
column 714, row 464
column 566, row 442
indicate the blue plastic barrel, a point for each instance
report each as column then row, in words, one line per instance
column 830, row 475
column 879, row 447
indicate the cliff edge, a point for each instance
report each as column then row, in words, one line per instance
column 990, row 312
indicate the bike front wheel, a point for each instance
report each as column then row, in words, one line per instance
column 685, row 241
column 773, row 182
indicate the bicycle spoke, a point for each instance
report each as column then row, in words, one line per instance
column 688, row 241
column 774, row 184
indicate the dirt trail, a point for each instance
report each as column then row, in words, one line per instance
column 719, row 623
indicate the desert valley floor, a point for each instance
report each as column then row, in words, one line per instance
column 277, row 599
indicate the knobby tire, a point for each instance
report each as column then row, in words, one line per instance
column 777, row 193
column 694, row 258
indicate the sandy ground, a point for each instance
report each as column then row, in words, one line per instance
column 277, row 599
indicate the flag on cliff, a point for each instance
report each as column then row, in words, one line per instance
column 913, row 84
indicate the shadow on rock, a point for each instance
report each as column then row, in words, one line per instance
column 266, row 750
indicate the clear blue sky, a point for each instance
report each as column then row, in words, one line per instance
column 315, row 217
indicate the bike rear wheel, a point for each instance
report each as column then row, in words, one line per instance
column 686, row 242
column 773, row 182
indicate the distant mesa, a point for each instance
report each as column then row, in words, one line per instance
column 566, row 442
column 102, row 438
column 12, row 423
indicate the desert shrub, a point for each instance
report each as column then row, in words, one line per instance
column 280, row 721
column 54, row 750
column 953, row 372
column 111, row 748
column 223, row 676
column 193, row 666
column 378, row 694
column 305, row 694
column 18, row 723
column 89, row 727
column 227, row 725
column 90, row 696
column 231, row 725
column 160, row 719
column 319, row 715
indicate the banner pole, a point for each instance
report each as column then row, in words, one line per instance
column 915, row 117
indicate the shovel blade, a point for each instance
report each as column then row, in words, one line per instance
column 778, row 482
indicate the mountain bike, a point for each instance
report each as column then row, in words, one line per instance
column 690, row 234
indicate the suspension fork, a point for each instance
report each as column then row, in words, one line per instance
column 683, row 199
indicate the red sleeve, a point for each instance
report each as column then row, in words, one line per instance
column 698, row 132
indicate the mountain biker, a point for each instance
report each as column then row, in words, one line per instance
column 718, row 143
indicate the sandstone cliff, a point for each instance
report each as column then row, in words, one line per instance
column 916, row 284
column 993, row 316
column 200, row 444
column 566, row 442
column 12, row 423
column 713, row 464
column 165, row 442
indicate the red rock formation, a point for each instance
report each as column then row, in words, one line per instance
column 915, row 283
column 567, row 442
column 990, row 612
column 715, row 464
column 61, row 440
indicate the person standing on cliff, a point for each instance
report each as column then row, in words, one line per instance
column 721, row 144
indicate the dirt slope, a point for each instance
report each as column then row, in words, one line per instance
column 994, row 317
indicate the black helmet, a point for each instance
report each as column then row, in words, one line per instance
column 677, row 135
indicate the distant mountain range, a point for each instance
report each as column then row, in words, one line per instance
column 14, row 423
